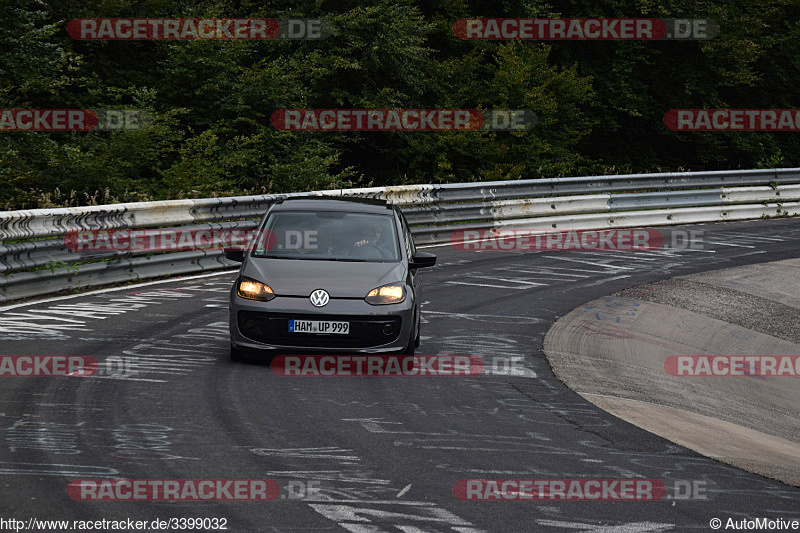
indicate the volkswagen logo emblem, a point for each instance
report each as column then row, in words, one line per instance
column 320, row 298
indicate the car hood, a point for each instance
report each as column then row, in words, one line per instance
column 342, row 279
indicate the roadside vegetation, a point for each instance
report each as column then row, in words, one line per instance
column 600, row 104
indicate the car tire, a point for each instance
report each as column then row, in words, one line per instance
column 412, row 343
column 237, row 355
column 410, row 349
column 417, row 339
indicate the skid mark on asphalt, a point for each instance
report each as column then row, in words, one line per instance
column 503, row 354
column 601, row 266
column 176, row 356
column 356, row 498
column 127, row 441
column 56, row 321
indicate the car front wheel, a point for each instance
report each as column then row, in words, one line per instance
column 416, row 341
column 413, row 342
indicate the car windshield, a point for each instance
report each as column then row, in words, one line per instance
column 329, row 236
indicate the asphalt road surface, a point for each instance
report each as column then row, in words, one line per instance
column 362, row 454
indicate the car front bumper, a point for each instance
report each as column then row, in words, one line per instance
column 373, row 328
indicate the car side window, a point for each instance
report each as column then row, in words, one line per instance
column 409, row 239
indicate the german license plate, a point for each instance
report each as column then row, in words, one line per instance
column 322, row 327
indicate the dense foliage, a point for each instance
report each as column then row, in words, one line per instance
column 600, row 104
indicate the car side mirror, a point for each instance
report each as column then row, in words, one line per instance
column 233, row 254
column 422, row 260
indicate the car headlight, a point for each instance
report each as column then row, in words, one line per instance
column 255, row 290
column 388, row 294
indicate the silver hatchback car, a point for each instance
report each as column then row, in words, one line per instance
column 328, row 275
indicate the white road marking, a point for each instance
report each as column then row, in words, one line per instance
column 603, row 280
column 525, row 285
column 330, row 452
column 113, row 289
column 631, row 527
column 728, row 244
column 601, row 264
column 473, row 316
column 50, row 469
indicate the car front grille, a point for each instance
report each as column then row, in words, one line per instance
column 273, row 328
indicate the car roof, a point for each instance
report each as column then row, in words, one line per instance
column 326, row 203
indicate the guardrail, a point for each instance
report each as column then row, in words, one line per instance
column 34, row 258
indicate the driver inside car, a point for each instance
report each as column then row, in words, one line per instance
column 368, row 245
column 371, row 236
